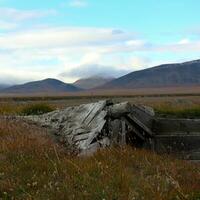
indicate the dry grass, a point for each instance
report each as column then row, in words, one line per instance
column 25, row 108
column 182, row 90
column 32, row 166
column 177, row 106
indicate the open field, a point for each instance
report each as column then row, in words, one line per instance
column 34, row 166
column 164, row 105
column 168, row 91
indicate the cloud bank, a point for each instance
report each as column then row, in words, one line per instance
column 71, row 53
column 86, row 71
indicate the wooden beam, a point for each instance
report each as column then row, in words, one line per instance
column 119, row 110
column 141, row 125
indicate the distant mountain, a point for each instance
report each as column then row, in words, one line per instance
column 168, row 75
column 3, row 86
column 92, row 82
column 43, row 86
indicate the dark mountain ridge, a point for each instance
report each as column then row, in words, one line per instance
column 92, row 82
column 46, row 86
column 3, row 86
column 167, row 75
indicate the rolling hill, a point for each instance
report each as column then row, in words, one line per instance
column 92, row 82
column 168, row 75
column 43, row 86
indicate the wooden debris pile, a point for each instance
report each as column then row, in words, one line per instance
column 92, row 126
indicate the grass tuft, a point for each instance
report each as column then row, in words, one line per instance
column 36, row 109
column 32, row 166
column 178, row 112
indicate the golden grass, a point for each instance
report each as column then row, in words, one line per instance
column 33, row 166
column 177, row 106
column 25, row 108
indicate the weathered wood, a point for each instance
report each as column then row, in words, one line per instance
column 79, row 125
column 141, row 125
column 181, row 126
column 101, row 124
column 144, row 114
column 115, row 127
column 118, row 110
column 123, row 133
column 133, row 128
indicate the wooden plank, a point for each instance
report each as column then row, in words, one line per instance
column 141, row 125
column 81, row 137
column 118, row 110
column 97, row 109
column 123, row 133
column 135, row 130
column 170, row 126
column 95, row 132
column 115, row 127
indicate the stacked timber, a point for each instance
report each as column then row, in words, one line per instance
column 90, row 127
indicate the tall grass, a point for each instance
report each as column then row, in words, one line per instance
column 180, row 107
column 36, row 109
column 178, row 111
column 26, row 108
column 33, row 166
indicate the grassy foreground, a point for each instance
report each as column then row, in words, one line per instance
column 32, row 166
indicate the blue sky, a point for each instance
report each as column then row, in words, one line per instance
column 71, row 39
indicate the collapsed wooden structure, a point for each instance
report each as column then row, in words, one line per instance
column 92, row 126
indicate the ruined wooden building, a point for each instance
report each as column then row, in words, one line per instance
column 97, row 125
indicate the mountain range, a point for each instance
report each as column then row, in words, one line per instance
column 167, row 75
column 43, row 86
column 2, row 86
column 92, row 82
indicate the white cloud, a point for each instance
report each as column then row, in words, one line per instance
column 68, row 38
column 4, row 25
column 78, row 3
column 21, row 15
column 66, row 47
column 183, row 46
column 90, row 58
column 47, row 52
column 85, row 71
column 139, row 63
column 184, row 41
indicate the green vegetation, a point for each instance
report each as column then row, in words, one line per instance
column 185, row 113
column 36, row 109
column 178, row 107
column 26, row 108
column 32, row 166
column 178, row 112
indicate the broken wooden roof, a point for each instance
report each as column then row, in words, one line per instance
column 83, row 125
column 78, row 125
column 89, row 127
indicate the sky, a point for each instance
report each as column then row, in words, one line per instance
column 72, row 39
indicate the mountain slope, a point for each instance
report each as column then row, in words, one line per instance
column 92, row 82
column 47, row 85
column 183, row 74
column 3, row 86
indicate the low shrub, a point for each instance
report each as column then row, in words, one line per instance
column 36, row 109
column 193, row 112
